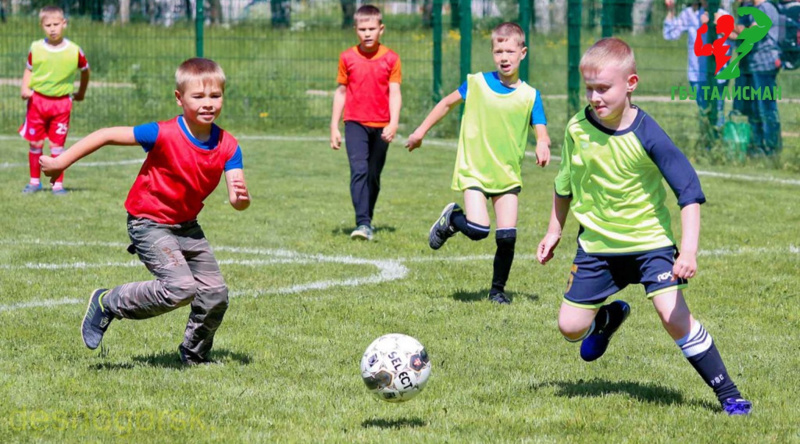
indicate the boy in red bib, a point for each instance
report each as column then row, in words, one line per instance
column 47, row 86
column 186, row 157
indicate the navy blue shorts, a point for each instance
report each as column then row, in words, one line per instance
column 594, row 278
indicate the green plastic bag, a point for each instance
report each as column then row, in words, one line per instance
column 736, row 136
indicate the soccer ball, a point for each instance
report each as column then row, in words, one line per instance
column 395, row 367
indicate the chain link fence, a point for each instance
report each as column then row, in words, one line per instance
column 281, row 59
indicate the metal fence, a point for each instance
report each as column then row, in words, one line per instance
column 281, row 57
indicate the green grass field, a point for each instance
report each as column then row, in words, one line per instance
column 306, row 301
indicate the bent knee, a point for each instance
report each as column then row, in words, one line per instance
column 571, row 330
column 180, row 291
column 214, row 298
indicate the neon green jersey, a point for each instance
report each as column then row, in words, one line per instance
column 493, row 137
column 54, row 69
column 615, row 180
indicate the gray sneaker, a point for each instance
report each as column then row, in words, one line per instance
column 441, row 229
column 363, row 232
column 30, row 189
column 96, row 320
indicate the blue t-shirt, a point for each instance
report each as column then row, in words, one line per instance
column 493, row 80
column 147, row 134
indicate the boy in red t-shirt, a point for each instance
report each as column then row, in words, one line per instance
column 47, row 86
column 186, row 157
column 369, row 93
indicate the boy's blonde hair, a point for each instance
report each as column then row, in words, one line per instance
column 609, row 51
column 199, row 69
column 367, row 12
column 50, row 11
column 507, row 31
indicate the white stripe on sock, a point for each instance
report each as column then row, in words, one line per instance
column 697, row 341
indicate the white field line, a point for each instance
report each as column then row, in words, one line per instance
column 434, row 142
column 389, row 269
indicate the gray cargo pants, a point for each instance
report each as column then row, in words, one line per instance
column 186, row 273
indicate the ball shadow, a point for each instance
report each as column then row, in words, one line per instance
column 399, row 423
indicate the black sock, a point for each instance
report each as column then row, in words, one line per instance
column 699, row 349
column 506, row 239
column 472, row 230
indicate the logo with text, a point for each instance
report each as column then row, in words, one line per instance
column 727, row 66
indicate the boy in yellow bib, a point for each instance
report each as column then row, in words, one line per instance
column 47, row 87
column 499, row 110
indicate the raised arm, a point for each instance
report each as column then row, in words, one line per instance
column 437, row 113
column 395, row 103
column 339, row 96
column 238, row 195
column 119, row 135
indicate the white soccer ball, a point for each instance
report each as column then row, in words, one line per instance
column 395, row 367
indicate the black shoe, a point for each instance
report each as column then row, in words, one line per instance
column 595, row 345
column 441, row 229
column 96, row 320
column 500, row 298
column 189, row 358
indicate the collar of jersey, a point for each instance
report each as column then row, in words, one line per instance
column 209, row 144
column 587, row 112
column 493, row 80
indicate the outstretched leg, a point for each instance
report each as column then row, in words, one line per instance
column 699, row 349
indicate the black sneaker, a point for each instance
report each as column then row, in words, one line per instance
column 96, row 320
column 189, row 358
column 500, row 298
column 441, row 229
column 595, row 345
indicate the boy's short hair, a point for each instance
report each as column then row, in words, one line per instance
column 199, row 69
column 506, row 31
column 609, row 51
column 49, row 11
column 367, row 12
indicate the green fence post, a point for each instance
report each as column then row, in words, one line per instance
column 525, row 23
column 198, row 29
column 465, row 19
column 436, row 19
column 574, row 13
column 607, row 19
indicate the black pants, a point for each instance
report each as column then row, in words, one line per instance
column 367, row 154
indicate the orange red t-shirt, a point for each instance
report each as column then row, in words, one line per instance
column 367, row 77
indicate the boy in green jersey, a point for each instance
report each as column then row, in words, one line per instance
column 498, row 112
column 614, row 160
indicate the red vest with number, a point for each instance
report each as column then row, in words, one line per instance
column 177, row 175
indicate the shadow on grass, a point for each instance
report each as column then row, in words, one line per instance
column 166, row 359
column 400, row 423
column 641, row 392
column 475, row 296
column 375, row 230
